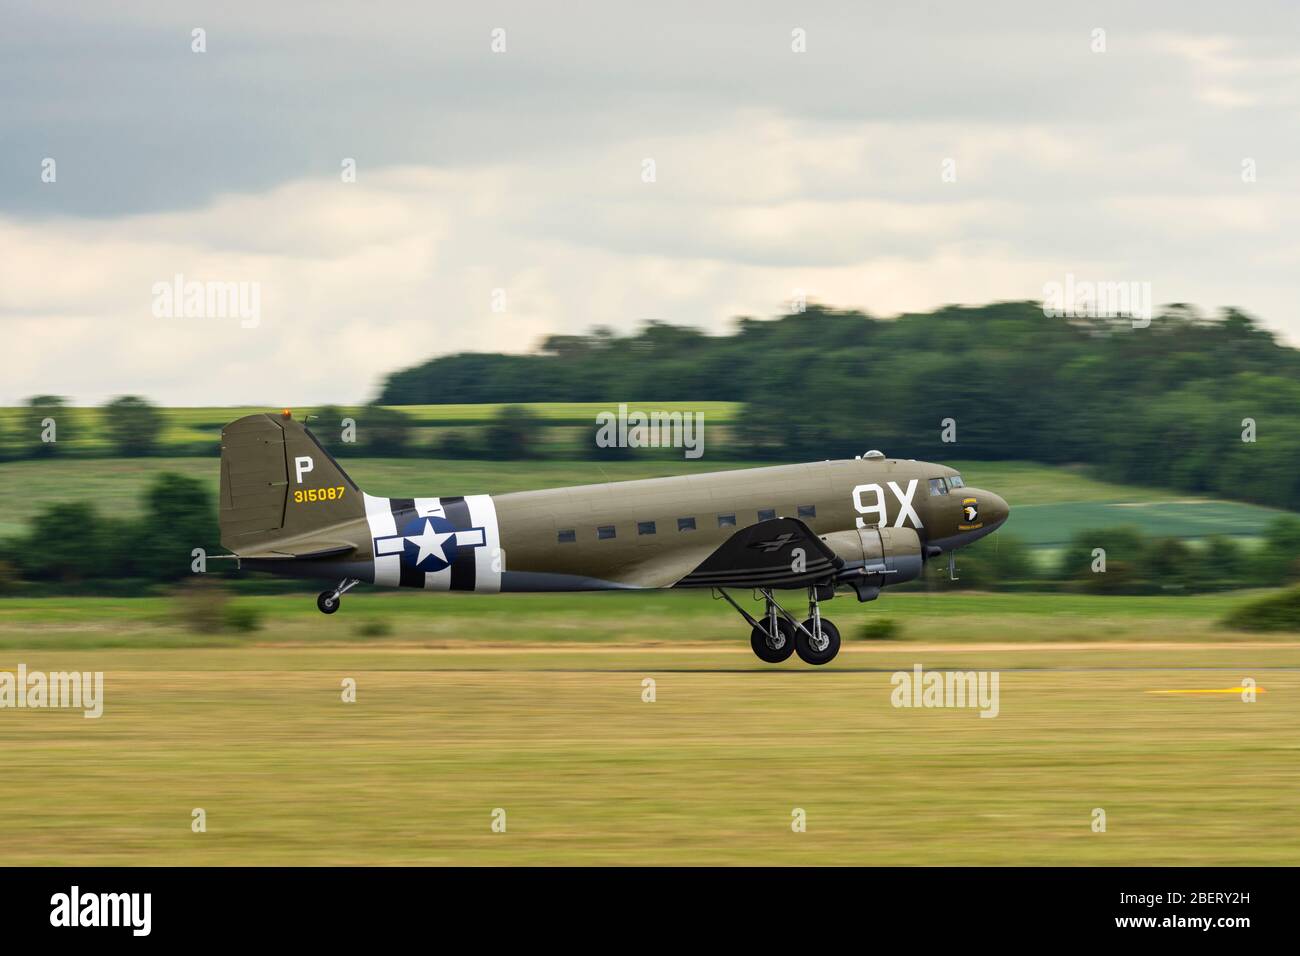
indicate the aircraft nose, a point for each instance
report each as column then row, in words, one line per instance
column 998, row 509
column 984, row 509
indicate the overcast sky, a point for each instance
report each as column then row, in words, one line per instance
column 523, row 171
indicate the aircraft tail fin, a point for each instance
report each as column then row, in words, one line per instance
column 278, row 483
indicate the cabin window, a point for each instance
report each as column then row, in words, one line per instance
column 685, row 524
column 767, row 514
column 937, row 487
column 956, row 482
column 605, row 531
column 567, row 537
column 726, row 521
column 807, row 511
column 645, row 527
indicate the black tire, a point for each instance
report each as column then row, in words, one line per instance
column 765, row 652
column 327, row 602
column 810, row 655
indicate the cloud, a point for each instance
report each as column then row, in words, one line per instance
column 776, row 172
column 358, row 279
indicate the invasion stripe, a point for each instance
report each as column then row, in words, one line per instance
column 432, row 508
column 463, row 568
column 380, row 518
column 403, row 512
column 489, row 559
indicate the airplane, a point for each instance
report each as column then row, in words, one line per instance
column 287, row 507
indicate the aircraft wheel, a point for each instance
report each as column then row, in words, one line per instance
column 810, row 654
column 765, row 651
column 327, row 602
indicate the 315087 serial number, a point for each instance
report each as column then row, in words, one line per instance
column 318, row 494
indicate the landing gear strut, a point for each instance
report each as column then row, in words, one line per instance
column 773, row 639
column 329, row 601
column 774, row 642
column 818, row 640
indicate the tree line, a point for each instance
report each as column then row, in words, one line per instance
column 1208, row 405
column 1205, row 404
column 129, row 426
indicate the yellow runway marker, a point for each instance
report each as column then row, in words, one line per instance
column 1210, row 690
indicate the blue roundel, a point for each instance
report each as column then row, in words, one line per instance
column 430, row 543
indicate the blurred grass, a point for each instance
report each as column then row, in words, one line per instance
column 533, row 703
column 646, row 619
column 589, row 774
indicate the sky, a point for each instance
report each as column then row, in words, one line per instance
column 523, row 169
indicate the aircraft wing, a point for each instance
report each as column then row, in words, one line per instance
column 309, row 551
column 780, row 553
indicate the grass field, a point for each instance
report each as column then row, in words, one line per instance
column 1048, row 525
column 534, row 705
column 81, row 427
column 646, row 619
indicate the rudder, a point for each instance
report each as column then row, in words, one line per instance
column 278, row 483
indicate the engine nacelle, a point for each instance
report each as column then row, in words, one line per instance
column 876, row 557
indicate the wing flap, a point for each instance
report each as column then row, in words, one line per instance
column 311, row 551
column 781, row 552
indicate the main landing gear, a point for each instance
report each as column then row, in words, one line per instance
column 329, row 601
column 778, row 635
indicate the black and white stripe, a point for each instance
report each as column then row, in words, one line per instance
column 463, row 569
column 475, row 568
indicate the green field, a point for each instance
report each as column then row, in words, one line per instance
column 533, row 704
column 80, row 428
column 1048, row 525
column 650, row 619
column 1050, row 505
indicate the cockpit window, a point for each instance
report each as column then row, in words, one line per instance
column 956, row 482
column 937, row 487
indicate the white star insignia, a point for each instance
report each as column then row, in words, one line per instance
column 431, row 542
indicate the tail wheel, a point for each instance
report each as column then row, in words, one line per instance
column 779, row 648
column 809, row 652
column 328, row 602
